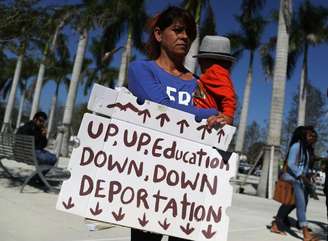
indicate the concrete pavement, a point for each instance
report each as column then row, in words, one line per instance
column 31, row 216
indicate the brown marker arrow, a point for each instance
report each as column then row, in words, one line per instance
column 187, row 230
column 163, row 117
column 164, row 225
column 204, row 128
column 208, row 233
column 96, row 211
column 221, row 133
column 145, row 113
column 118, row 216
column 143, row 222
column 118, row 105
column 131, row 107
column 70, row 204
column 182, row 123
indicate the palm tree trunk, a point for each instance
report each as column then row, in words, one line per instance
column 279, row 81
column 11, row 100
column 39, row 81
column 20, row 110
column 244, row 111
column 272, row 152
column 190, row 61
column 67, row 118
column 52, row 110
column 51, row 114
column 303, row 90
column 125, row 61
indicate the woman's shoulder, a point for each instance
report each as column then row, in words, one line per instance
column 141, row 64
column 295, row 146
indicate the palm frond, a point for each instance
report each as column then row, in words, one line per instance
column 208, row 27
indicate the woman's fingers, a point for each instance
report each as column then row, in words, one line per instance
column 218, row 120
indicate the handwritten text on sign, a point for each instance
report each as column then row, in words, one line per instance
column 138, row 177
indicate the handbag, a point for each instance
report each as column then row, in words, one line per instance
column 284, row 192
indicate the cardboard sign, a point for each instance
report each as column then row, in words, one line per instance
column 127, row 174
column 123, row 106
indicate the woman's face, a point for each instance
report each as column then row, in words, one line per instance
column 311, row 137
column 174, row 39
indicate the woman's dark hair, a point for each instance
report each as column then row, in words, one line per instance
column 299, row 135
column 164, row 20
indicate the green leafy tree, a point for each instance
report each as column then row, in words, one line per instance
column 315, row 115
column 254, row 133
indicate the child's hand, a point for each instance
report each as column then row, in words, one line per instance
column 219, row 120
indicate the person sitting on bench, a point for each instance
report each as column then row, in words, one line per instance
column 36, row 128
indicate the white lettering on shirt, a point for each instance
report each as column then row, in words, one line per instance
column 183, row 97
column 169, row 90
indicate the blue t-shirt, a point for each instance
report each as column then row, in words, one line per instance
column 148, row 81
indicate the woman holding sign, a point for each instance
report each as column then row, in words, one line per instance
column 164, row 79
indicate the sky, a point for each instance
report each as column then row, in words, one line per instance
column 224, row 11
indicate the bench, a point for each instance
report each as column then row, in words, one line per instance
column 20, row 148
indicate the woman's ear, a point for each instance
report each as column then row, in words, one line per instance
column 158, row 34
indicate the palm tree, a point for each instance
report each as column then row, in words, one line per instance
column 252, row 27
column 88, row 14
column 208, row 27
column 132, row 18
column 195, row 7
column 283, row 66
column 29, row 70
column 311, row 30
column 27, row 28
column 279, row 72
column 101, row 73
column 58, row 69
column 54, row 23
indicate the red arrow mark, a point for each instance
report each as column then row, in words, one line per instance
column 204, row 128
column 145, row 113
column 164, row 225
column 182, row 124
column 208, row 233
column 221, row 133
column 163, row 117
column 143, row 222
column 96, row 211
column 118, row 216
column 187, row 230
column 70, row 204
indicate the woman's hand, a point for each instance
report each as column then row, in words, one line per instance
column 219, row 120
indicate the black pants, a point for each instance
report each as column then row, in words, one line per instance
column 138, row 235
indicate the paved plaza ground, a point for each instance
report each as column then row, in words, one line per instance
column 31, row 216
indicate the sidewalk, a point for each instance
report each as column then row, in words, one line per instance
column 31, row 216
